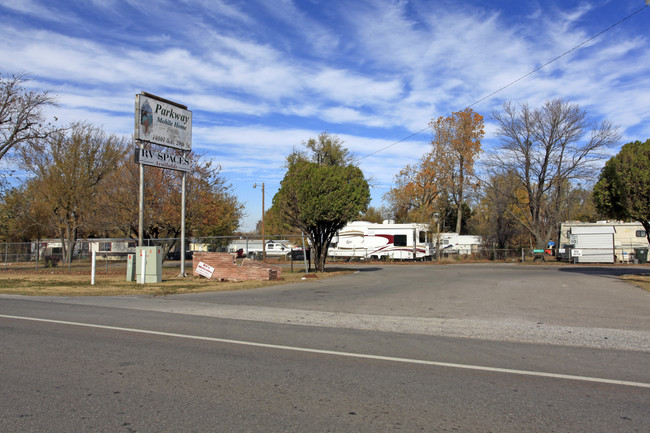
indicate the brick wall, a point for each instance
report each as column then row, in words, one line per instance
column 227, row 269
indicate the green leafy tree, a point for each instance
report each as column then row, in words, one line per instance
column 320, row 193
column 623, row 189
column 374, row 215
column 326, row 149
column 276, row 227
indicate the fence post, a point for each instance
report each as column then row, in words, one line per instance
column 304, row 252
column 523, row 257
column 93, row 268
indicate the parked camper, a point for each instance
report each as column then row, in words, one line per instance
column 628, row 238
column 593, row 244
column 453, row 243
column 364, row 239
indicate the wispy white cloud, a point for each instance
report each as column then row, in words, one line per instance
column 35, row 8
column 261, row 77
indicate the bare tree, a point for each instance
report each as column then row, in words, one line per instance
column 21, row 113
column 545, row 150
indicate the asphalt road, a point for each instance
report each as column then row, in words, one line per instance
column 397, row 348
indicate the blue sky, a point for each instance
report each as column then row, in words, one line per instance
column 262, row 76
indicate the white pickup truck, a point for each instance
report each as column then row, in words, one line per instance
column 277, row 249
column 253, row 248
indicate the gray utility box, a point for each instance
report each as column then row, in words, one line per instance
column 153, row 264
column 130, row 267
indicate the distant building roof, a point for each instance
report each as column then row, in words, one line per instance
column 592, row 230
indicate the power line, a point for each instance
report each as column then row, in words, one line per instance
column 520, row 78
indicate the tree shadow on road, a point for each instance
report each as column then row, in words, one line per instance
column 607, row 271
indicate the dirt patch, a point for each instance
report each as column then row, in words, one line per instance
column 114, row 284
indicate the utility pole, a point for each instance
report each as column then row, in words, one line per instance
column 263, row 241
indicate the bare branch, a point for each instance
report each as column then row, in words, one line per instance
column 21, row 113
column 547, row 149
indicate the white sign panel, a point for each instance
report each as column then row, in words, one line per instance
column 204, row 270
column 161, row 122
column 162, row 160
column 576, row 253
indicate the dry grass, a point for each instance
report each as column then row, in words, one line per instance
column 641, row 280
column 48, row 283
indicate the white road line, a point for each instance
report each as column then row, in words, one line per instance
column 337, row 353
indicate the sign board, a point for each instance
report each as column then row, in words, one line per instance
column 204, row 270
column 162, row 160
column 576, row 253
column 162, row 122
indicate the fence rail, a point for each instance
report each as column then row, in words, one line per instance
column 50, row 253
column 32, row 256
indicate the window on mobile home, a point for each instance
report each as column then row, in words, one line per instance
column 422, row 237
column 640, row 233
column 400, row 240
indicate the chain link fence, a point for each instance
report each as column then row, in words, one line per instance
column 49, row 254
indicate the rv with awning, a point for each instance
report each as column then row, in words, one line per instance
column 363, row 239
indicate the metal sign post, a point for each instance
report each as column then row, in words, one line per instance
column 182, row 273
column 141, row 207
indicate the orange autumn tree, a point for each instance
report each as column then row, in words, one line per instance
column 212, row 208
column 418, row 187
column 457, row 142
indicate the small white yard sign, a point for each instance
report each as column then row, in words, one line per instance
column 204, row 270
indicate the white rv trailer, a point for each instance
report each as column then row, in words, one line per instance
column 453, row 243
column 371, row 240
